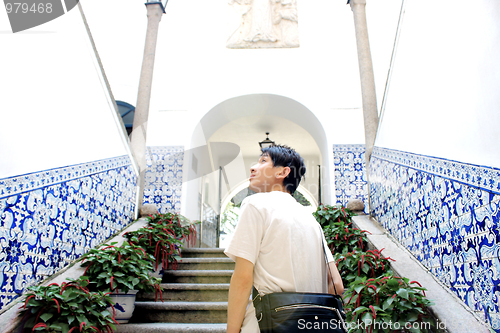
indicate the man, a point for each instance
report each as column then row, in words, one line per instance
column 277, row 245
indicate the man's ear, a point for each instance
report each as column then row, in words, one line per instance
column 283, row 173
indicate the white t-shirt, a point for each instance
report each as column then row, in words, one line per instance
column 284, row 242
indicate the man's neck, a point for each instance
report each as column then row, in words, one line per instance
column 279, row 188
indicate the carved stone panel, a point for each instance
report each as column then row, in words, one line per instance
column 263, row 24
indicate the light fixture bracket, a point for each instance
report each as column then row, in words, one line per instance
column 267, row 142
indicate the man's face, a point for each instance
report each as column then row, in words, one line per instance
column 263, row 175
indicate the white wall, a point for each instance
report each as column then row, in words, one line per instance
column 443, row 99
column 382, row 18
column 56, row 110
column 194, row 71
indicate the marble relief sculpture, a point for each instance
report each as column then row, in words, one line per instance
column 264, row 24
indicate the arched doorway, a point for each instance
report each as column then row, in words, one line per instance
column 243, row 120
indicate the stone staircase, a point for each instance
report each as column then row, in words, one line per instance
column 195, row 297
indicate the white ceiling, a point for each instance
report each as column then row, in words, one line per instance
column 248, row 131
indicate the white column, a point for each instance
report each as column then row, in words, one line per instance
column 139, row 131
column 369, row 98
column 367, row 79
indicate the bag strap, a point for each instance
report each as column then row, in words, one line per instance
column 326, row 260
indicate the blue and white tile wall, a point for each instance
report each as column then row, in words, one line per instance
column 163, row 178
column 49, row 218
column 447, row 214
column 350, row 173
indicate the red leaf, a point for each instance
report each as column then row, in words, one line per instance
column 39, row 325
column 416, row 283
column 419, row 285
column 84, row 273
column 142, row 250
column 27, row 299
column 373, row 310
column 58, row 309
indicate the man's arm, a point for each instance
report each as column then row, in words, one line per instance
column 239, row 293
column 339, row 286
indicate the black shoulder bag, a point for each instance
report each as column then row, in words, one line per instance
column 289, row 312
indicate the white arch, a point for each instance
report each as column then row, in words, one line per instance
column 255, row 105
column 241, row 186
column 280, row 106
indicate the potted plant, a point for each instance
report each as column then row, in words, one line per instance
column 388, row 303
column 327, row 215
column 377, row 301
column 69, row 307
column 164, row 238
column 183, row 228
column 340, row 235
column 369, row 264
column 158, row 241
column 122, row 270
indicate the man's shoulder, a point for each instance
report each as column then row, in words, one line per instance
column 256, row 199
column 270, row 199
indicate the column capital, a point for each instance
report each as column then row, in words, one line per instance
column 155, row 9
column 156, row 3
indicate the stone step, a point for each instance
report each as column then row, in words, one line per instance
column 192, row 292
column 171, row 328
column 203, row 253
column 180, row 312
column 198, row 276
column 205, row 263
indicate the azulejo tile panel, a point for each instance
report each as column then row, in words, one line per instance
column 49, row 218
column 350, row 173
column 163, row 177
column 447, row 214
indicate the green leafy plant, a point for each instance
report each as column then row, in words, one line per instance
column 158, row 241
column 182, row 227
column 327, row 215
column 341, row 237
column 387, row 303
column 336, row 222
column 369, row 264
column 378, row 301
column 229, row 218
column 69, row 307
column 123, row 268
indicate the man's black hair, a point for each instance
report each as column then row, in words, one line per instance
column 285, row 156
